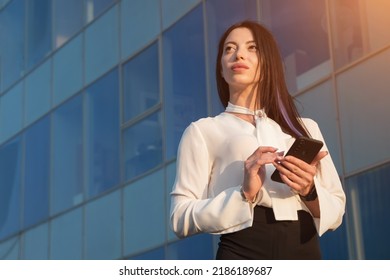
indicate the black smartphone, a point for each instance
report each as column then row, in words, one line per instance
column 303, row 148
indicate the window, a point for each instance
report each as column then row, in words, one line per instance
column 146, row 230
column 140, row 24
column 38, row 93
column 39, row 35
column 143, row 146
column 184, row 77
column 94, row 8
column 141, row 83
column 101, row 45
column 67, row 188
column 103, row 130
column 66, row 236
column 300, row 27
column 68, row 70
column 68, row 19
column 103, row 228
column 11, row 114
column 10, row 177
column 359, row 27
column 12, row 43
column 368, row 197
column 36, row 173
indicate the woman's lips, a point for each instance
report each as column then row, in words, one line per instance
column 239, row 66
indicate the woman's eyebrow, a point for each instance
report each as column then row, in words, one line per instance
column 234, row 43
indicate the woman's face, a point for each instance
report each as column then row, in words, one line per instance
column 240, row 61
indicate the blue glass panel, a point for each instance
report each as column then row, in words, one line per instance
column 68, row 70
column 136, row 13
column 37, row 95
column 9, row 250
column 67, row 179
column 198, row 247
column 103, row 228
column 220, row 15
column 300, row 28
column 334, row 244
column 11, row 114
column 66, row 236
column 147, row 230
column 184, row 77
column 36, row 243
column 156, row 254
column 96, row 7
column 39, row 25
column 141, row 82
column 172, row 10
column 102, row 45
column 103, row 132
column 10, row 168
column 368, row 197
column 68, row 19
column 36, row 172
column 12, row 43
column 143, row 146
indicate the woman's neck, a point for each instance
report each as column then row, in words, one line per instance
column 245, row 98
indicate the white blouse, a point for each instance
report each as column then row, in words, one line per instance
column 210, row 168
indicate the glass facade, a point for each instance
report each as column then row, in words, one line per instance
column 95, row 94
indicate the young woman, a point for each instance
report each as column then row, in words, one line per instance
column 224, row 163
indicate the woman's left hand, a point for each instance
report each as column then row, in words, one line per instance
column 297, row 174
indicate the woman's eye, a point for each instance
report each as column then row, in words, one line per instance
column 229, row 49
column 253, row 48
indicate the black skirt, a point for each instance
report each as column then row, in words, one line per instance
column 269, row 239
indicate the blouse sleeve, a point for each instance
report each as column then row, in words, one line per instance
column 192, row 210
column 329, row 189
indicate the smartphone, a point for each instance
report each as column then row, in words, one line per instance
column 303, row 148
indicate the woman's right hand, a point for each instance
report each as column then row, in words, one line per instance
column 254, row 170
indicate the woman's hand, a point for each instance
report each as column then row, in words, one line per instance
column 297, row 174
column 254, row 170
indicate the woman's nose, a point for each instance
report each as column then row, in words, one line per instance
column 239, row 55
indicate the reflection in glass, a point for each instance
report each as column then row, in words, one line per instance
column 10, row 177
column 143, row 146
column 36, row 173
column 184, row 77
column 300, row 28
column 12, row 43
column 68, row 19
column 103, row 134
column 141, row 82
column 67, row 189
column 38, row 30
column 358, row 28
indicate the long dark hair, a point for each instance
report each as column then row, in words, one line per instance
column 272, row 92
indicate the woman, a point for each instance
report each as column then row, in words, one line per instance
column 224, row 163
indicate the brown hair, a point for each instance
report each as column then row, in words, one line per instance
column 272, row 92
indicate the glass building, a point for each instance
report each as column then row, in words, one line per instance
column 95, row 94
